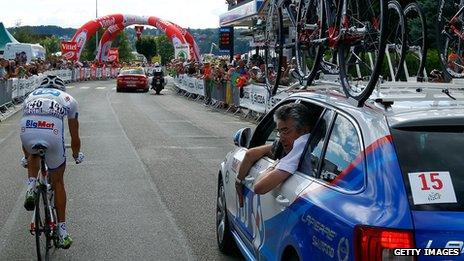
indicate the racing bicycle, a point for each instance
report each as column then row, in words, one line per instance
column 44, row 222
column 352, row 32
column 451, row 37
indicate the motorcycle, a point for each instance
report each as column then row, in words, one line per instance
column 158, row 83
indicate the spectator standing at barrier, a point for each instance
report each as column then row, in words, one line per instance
column 261, row 73
column 219, row 85
column 284, row 79
column 11, row 69
column 208, row 82
column 3, row 72
column 254, row 71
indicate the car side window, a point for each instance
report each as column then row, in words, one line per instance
column 313, row 152
column 341, row 166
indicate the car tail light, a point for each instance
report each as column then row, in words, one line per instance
column 373, row 243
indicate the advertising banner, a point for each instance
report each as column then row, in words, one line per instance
column 69, row 50
column 113, row 55
column 181, row 51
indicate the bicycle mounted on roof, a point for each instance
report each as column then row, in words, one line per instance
column 353, row 31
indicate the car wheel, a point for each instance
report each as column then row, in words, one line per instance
column 118, row 90
column 225, row 240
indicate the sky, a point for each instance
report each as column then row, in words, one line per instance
column 193, row 14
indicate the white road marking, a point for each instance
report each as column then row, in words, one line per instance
column 100, row 88
column 85, row 87
column 70, row 87
column 114, row 88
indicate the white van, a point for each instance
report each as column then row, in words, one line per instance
column 24, row 51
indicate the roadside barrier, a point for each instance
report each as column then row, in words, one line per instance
column 253, row 97
column 14, row 90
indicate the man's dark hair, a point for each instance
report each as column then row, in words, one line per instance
column 296, row 111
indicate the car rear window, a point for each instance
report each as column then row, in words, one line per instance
column 431, row 160
column 131, row 71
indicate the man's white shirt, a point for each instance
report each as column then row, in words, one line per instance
column 290, row 162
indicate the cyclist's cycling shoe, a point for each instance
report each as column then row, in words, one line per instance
column 31, row 196
column 65, row 242
column 23, row 162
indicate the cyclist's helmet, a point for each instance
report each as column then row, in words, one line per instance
column 157, row 64
column 52, row 81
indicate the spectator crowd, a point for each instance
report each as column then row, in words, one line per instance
column 219, row 70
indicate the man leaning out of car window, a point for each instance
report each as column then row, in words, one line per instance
column 293, row 127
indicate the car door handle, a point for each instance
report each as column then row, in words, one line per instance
column 282, row 200
column 249, row 179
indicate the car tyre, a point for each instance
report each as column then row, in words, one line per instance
column 118, row 90
column 225, row 240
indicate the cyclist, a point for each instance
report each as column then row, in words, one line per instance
column 42, row 122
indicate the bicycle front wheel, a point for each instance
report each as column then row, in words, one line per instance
column 450, row 41
column 362, row 47
column 274, row 48
column 42, row 230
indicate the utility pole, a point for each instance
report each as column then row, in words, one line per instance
column 96, row 33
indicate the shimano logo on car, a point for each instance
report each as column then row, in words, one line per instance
column 39, row 124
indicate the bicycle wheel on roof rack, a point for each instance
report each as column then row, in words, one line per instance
column 274, row 47
column 362, row 47
column 310, row 27
column 396, row 39
column 450, row 43
column 416, row 39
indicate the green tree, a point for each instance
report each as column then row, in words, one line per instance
column 124, row 46
column 24, row 35
column 51, row 45
column 165, row 49
column 146, row 45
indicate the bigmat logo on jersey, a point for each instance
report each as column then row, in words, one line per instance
column 39, row 124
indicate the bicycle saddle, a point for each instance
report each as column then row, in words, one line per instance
column 41, row 149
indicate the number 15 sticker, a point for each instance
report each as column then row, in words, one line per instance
column 432, row 187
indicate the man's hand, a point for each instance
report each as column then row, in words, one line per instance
column 239, row 186
column 79, row 158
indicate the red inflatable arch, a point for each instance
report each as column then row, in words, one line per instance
column 117, row 22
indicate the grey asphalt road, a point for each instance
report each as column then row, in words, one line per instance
column 147, row 189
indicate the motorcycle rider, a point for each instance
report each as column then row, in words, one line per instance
column 157, row 72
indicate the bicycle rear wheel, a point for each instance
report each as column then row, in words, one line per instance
column 274, row 47
column 362, row 47
column 416, row 39
column 42, row 230
column 310, row 26
column 450, row 44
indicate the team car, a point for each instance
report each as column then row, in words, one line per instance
column 385, row 175
column 132, row 79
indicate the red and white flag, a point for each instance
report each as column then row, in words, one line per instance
column 138, row 31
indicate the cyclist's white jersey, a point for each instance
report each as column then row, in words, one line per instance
column 43, row 112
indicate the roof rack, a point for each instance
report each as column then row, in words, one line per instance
column 418, row 91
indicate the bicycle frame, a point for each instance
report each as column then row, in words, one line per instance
column 453, row 21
